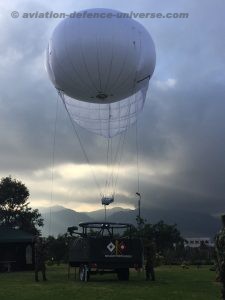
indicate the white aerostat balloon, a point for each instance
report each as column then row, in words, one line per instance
column 102, row 67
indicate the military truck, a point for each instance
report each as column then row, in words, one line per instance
column 101, row 248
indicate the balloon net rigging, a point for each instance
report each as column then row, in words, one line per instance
column 111, row 121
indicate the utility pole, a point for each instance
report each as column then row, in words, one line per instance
column 139, row 207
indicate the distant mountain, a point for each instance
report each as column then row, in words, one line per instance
column 190, row 224
column 58, row 221
column 99, row 215
column 46, row 210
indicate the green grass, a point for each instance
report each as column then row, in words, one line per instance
column 172, row 283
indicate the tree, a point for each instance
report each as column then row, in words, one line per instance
column 14, row 207
column 57, row 248
column 163, row 235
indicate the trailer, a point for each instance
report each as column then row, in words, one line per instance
column 101, row 248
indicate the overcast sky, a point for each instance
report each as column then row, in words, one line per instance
column 181, row 130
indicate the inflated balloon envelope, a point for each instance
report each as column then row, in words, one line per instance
column 101, row 67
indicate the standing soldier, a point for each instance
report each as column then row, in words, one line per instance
column 220, row 253
column 40, row 256
column 150, row 259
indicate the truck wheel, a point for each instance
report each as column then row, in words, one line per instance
column 123, row 274
column 84, row 273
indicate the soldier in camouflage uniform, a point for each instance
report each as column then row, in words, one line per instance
column 40, row 257
column 150, row 259
column 220, row 255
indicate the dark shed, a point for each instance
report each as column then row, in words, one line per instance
column 16, row 250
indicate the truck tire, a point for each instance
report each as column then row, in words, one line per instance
column 123, row 274
column 84, row 273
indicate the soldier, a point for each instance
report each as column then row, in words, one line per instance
column 150, row 258
column 40, row 256
column 220, row 255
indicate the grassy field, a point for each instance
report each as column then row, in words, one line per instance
column 172, row 283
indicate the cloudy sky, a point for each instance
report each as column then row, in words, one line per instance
column 181, row 131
